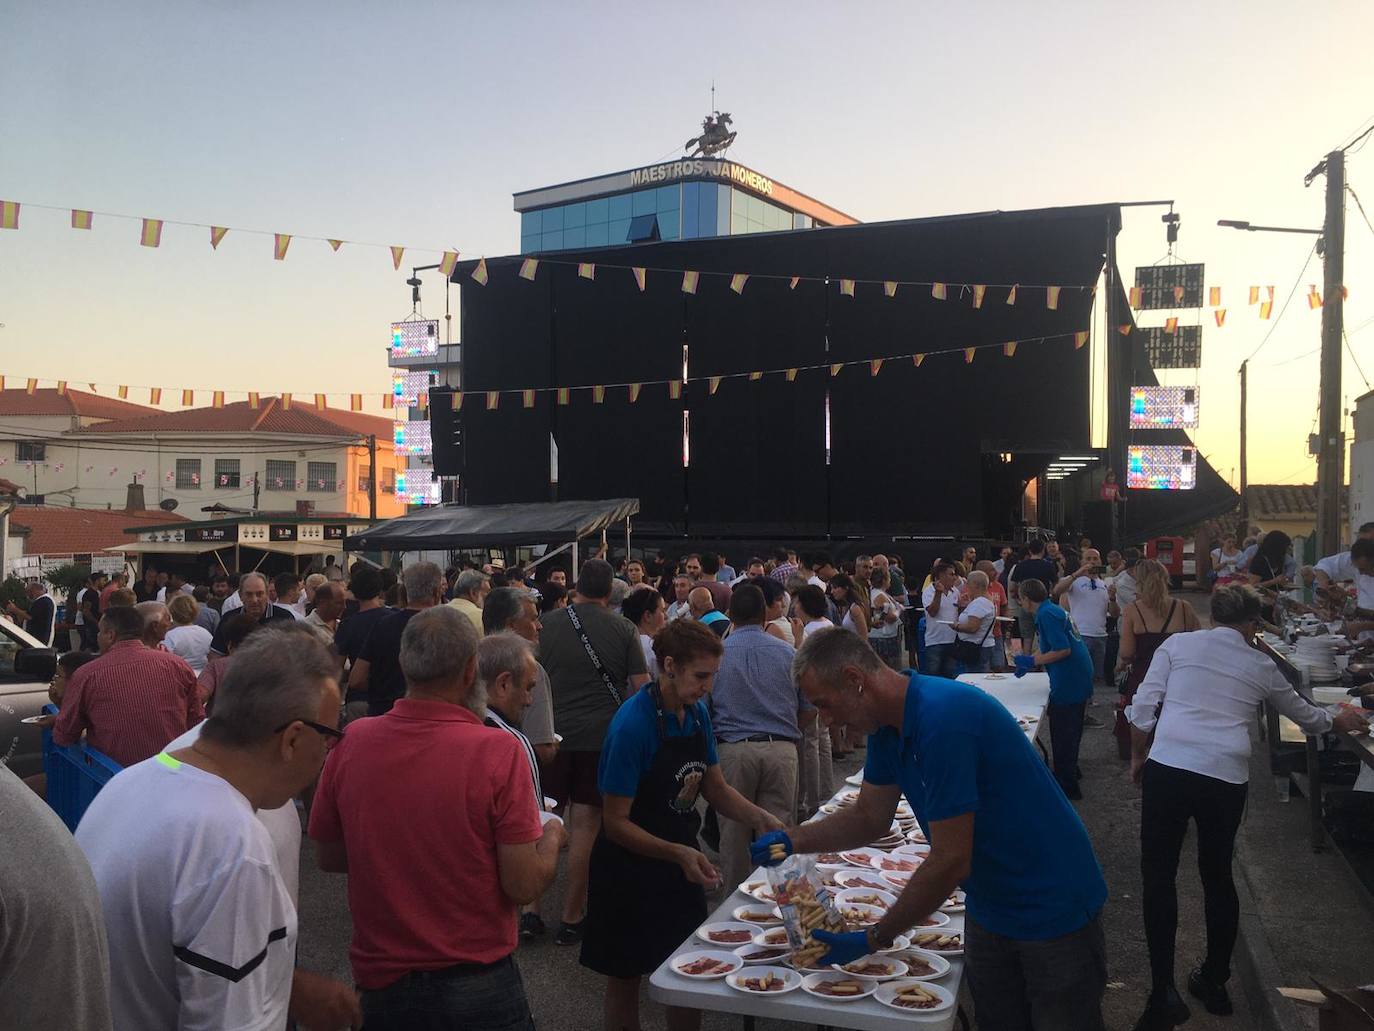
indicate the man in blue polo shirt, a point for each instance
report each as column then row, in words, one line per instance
column 1065, row 658
column 998, row 826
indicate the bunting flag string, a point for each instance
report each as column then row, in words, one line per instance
column 529, row 268
column 1265, row 308
column 1011, row 297
column 217, row 234
column 1052, row 297
column 586, row 270
column 1009, row 348
column 737, row 282
column 479, row 274
column 1214, row 296
column 447, row 264
column 397, row 253
column 847, row 287
column 890, row 289
column 81, row 219
column 598, row 394
column 637, row 272
column 874, row 366
column 1220, row 315
column 978, row 292
column 1254, row 295
column 634, row 392
column 689, row 282
column 152, row 232
column 280, row 241
column 939, row 291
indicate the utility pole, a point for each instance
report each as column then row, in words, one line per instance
column 257, row 486
column 1244, row 529
column 372, row 479
column 1331, row 451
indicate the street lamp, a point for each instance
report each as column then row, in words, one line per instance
column 1230, row 223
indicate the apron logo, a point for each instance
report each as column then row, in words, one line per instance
column 688, row 778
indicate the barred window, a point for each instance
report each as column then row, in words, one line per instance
column 320, row 476
column 388, row 482
column 30, row 451
column 188, row 474
column 364, row 479
column 226, row 472
column 280, row 475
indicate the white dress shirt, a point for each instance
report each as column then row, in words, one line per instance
column 1342, row 567
column 937, row 632
column 1088, row 606
column 1210, row 682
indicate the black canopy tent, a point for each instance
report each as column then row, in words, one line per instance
column 470, row 526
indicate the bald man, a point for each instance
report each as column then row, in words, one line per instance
column 703, row 609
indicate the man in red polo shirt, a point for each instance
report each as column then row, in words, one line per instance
column 433, row 817
column 132, row 700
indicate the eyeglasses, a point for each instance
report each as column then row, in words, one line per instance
column 330, row 734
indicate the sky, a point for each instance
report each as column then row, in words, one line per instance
column 412, row 123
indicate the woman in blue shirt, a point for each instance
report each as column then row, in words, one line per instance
column 647, row 877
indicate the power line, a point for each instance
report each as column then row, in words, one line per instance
column 1350, row 351
column 1286, row 302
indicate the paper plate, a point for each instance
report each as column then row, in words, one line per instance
column 810, row 981
column 865, row 897
column 732, row 962
column 727, row 927
column 891, row 968
column 755, row 955
column 922, row 965
column 791, row 980
column 770, row 937
column 759, row 915
column 888, row 991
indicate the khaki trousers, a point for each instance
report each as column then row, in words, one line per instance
column 764, row 772
column 817, row 774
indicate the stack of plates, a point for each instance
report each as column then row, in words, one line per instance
column 1316, row 658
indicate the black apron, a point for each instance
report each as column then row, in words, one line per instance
column 639, row 910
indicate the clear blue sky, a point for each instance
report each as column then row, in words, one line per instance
column 412, row 123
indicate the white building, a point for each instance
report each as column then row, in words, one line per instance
column 1362, row 465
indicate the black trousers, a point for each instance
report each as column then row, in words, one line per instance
column 1066, row 734
column 1169, row 799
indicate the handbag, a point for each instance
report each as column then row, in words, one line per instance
column 597, row 664
column 969, row 653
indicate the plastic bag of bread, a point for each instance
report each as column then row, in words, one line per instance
column 805, row 907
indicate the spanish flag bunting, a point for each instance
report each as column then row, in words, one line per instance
column 31, row 386
column 447, row 264
column 1254, row 295
column 938, row 291
column 675, row 389
column 737, row 282
column 529, row 268
column 253, row 400
column 835, row 369
column 1270, row 289
column 969, row 352
column 493, row 399
column 714, row 383
column 1178, row 295
column 388, row 400
column 335, row 244
column 93, row 387
column 61, row 387
column 1265, row 308
column 1052, row 297
column 1080, row 338
column 217, row 399
column 280, row 241
column 586, row 270
column 874, row 366
column 639, row 275
column 1009, row 348
column 1220, row 314
column 1137, row 295
column 1171, row 325
column 286, row 402
column 155, row 395
column 455, row 401
column 1214, row 297
column 527, row 398
column 188, row 398
column 978, row 292
column 320, row 402
column 479, row 274
column 9, row 214
column 754, row 377
column 2, row 382
column 1011, row 297
column 689, row 281
column 634, row 392
column 152, row 232
column 890, row 289
column 355, row 402
column 216, row 235
column 791, row 375
column 123, row 393
column 81, row 219
column 598, row 394
column 917, row 359
column 847, row 287
column 564, row 395
column 1314, row 299
column 793, row 284
column 1124, row 329
column 396, row 254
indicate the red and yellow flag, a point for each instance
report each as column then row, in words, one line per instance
column 791, row 375
column 1265, row 308
column 1270, row 289
column 689, row 281
column 675, row 389
column 969, row 352
column 1220, row 315
column 286, row 402
column 123, row 393
column 253, row 401
column 155, row 395
column 634, row 392
column 217, row 399
column 793, row 284
column 152, row 232
column 754, row 377
column 1137, row 296
column 280, row 241
column 479, row 274
column 1009, row 348
column 321, row 402
column 448, row 263
column 1011, row 297
column 1171, row 325
column 737, row 282
column 355, row 402
column 455, row 401
column 216, row 235
column 835, row 369
column 1080, row 338
column 1052, row 297
column 639, row 275
column 493, row 399
column 1124, row 329
column 31, row 386
column 397, row 253
column 188, row 398
column 847, row 287
column 939, row 291
column 529, row 268
column 564, row 395
column 713, row 383
column 890, row 289
column 586, row 270
column 917, row 359
column 1314, row 299
column 978, row 292
column 1214, row 296
column 335, row 245
column 61, row 387
column 1178, row 295
column 527, row 398
column 9, row 214
column 81, row 219
column 874, row 366
column 1254, row 295
column 598, row 394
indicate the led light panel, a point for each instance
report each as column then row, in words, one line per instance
column 1161, row 467
column 1164, row 408
column 418, row 338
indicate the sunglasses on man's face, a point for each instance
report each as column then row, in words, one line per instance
column 331, row 735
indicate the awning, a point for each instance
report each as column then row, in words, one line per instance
column 167, row 548
column 297, row 547
column 455, row 526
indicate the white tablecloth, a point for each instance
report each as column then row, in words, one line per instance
column 1027, row 696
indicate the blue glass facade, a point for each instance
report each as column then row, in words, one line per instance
column 685, row 211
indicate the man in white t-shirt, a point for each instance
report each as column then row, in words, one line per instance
column 976, row 623
column 201, row 924
column 1087, row 604
column 940, row 599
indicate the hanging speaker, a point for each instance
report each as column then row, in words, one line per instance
column 446, row 433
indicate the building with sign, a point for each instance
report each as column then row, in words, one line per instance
column 268, row 541
column 44, row 537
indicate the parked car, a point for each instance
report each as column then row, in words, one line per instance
column 26, row 669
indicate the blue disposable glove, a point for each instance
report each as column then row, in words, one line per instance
column 844, row 948
column 761, row 850
column 1024, row 664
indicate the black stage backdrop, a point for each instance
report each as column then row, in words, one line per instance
column 906, row 443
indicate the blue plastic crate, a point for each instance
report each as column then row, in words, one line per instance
column 75, row 776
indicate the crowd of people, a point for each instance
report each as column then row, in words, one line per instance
column 457, row 736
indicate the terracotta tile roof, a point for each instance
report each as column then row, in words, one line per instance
column 47, row 401
column 54, row 530
column 238, row 417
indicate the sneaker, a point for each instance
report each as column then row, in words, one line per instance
column 531, row 926
column 569, row 934
column 1214, row 997
column 1092, row 722
column 1165, row 1010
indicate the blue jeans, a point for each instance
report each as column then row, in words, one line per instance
column 939, row 660
column 1054, row 984
column 490, row 999
column 1097, row 651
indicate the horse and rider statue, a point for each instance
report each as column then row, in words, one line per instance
column 714, row 139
